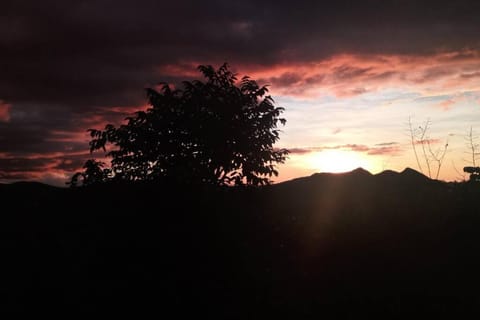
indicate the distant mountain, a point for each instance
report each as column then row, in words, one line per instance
column 360, row 180
column 358, row 173
column 27, row 185
column 25, row 192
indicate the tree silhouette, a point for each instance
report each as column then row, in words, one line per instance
column 216, row 131
column 94, row 173
column 419, row 136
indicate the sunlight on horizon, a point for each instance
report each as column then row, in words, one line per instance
column 337, row 161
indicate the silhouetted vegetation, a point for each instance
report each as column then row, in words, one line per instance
column 215, row 132
column 474, row 173
column 94, row 173
column 153, row 234
column 353, row 245
column 419, row 136
column 472, row 143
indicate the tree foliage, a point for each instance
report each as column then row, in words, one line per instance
column 218, row 131
column 94, row 173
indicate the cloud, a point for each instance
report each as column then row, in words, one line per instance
column 348, row 75
column 55, row 167
column 4, row 111
column 348, row 72
column 428, row 141
column 300, row 150
column 90, row 59
column 385, row 148
column 286, row 79
column 392, row 150
column 429, row 74
column 69, row 66
column 447, row 104
column 386, row 144
column 353, row 147
column 470, row 75
column 350, row 92
column 14, row 176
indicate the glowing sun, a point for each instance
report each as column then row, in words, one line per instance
column 337, row 161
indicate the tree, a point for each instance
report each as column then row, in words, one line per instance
column 419, row 135
column 216, row 131
column 94, row 173
column 474, row 170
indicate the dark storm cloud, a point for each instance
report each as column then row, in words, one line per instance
column 90, row 53
column 4, row 175
column 62, row 61
column 28, row 168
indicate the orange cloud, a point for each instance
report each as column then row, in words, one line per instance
column 391, row 148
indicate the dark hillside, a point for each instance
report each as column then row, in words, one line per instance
column 393, row 244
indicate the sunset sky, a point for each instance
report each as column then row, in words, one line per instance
column 349, row 74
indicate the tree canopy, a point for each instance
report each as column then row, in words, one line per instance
column 94, row 173
column 218, row 131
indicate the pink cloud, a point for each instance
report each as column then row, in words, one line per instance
column 471, row 75
column 4, row 111
column 428, row 141
column 348, row 75
column 351, row 75
column 386, row 150
column 349, row 92
column 39, row 166
column 68, row 136
column 447, row 104
column 355, row 147
column 300, row 150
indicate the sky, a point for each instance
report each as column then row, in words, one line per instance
column 351, row 75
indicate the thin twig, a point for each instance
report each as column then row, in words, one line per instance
column 436, row 158
column 423, row 139
column 412, row 138
column 472, row 145
column 462, row 175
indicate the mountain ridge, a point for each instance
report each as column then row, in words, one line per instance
column 355, row 173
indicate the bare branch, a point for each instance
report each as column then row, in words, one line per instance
column 412, row 138
column 438, row 156
column 461, row 174
column 423, row 140
column 472, row 146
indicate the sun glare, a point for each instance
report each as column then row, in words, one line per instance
column 338, row 161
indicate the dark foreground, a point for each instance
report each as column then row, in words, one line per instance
column 391, row 245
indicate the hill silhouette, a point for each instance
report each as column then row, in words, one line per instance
column 343, row 245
